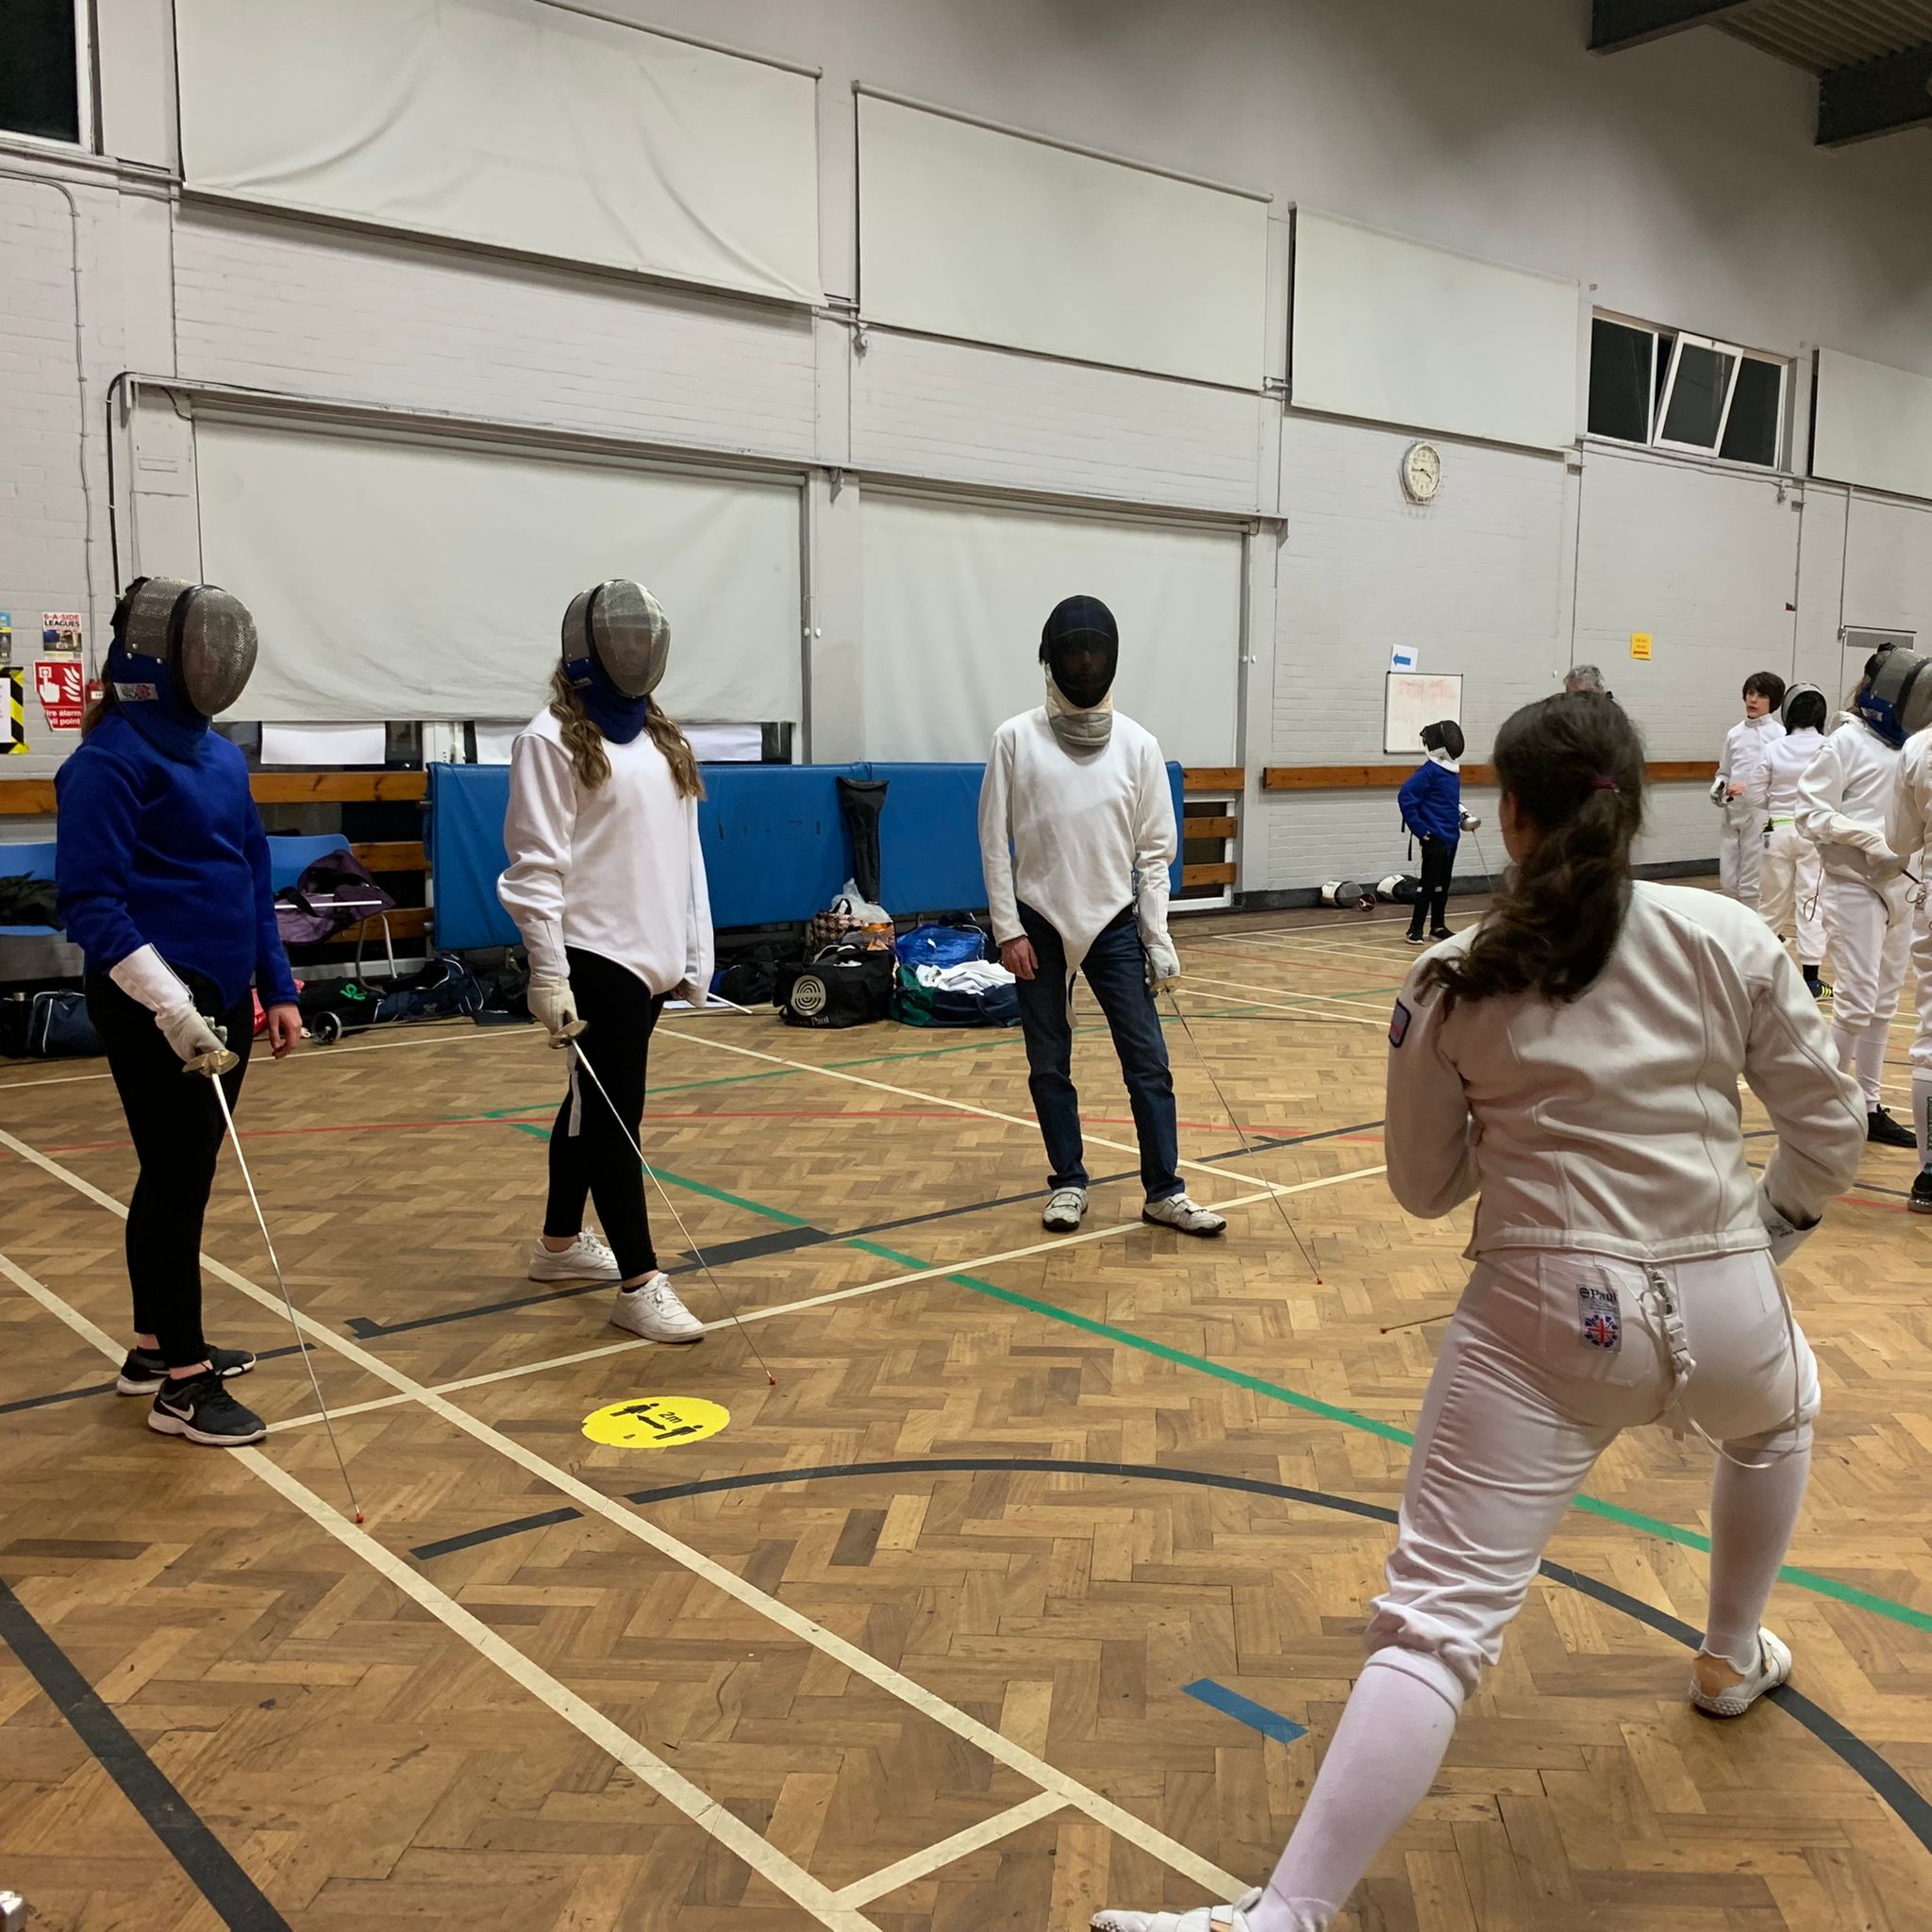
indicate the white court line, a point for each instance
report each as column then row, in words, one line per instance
column 1334, row 999
column 1315, row 1015
column 710, row 1815
column 861, row 1663
column 937, row 1858
column 943, row 1270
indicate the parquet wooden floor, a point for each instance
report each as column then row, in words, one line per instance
column 937, row 1632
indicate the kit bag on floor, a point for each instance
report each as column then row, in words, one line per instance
column 941, row 946
column 846, row 985
column 48, row 1025
column 917, row 1004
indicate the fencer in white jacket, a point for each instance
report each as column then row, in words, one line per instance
column 1909, row 832
column 1842, row 800
column 1791, row 884
column 1575, row 1062
column 1741, row 844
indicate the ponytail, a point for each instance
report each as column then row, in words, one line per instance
column 102, row 709
column 588, row 759
column 1573, row 766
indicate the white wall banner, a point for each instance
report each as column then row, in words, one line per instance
column 1873, row 426
column 425, row 579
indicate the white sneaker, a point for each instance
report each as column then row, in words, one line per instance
column 1065, row 1211
column 1184, row 1216
column 587, row 1258
column 1232, row 1917
column 653, row 1311
column 1774, row 1668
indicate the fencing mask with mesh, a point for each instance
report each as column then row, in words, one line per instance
column 616, row 643
column 1896, row 698
column 1446, row 738
column 180, row 654
column 1080, row 647
column 1805, row 709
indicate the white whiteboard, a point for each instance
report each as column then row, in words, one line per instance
column 1398, row 331
column 1415, row 698
column 496, row 121
column 423, row 580
column 969, row 231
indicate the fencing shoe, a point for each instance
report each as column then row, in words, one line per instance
column 587, row 1258
column 1734, row 1700
column 653, row 1311
column 1882, row 1130
column 1921, row 1202
column 201, row 1408
column 145, row 1370
column 1232, row 1917
column 1184, row 1216
column 1065, row 1211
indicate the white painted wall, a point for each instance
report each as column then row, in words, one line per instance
column 1676, row 181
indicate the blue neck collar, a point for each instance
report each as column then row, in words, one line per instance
column 618, row 716
column 146, row 693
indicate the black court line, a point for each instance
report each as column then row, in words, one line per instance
column 266, row 1355
column 1897, row 1792
column 450, row 1544
column 198, row 1852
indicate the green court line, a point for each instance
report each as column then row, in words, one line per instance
column 1812, row 1580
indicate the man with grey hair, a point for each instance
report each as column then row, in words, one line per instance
column 1583, row 677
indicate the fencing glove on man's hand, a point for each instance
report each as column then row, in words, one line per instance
column 1163, row 962
column 1469, row 823
column 551, row 1004
column 145, row 976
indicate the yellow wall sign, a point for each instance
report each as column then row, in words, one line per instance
column 656, row 1421
column 1640, row 644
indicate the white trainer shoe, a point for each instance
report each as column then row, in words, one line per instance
column 1184, row 1216
column 587, row 1258
column 1774, row 1668
column 653, row 1311
column 1232, row 1917
column 1065, row 1211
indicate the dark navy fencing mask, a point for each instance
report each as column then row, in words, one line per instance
column 1080, row 646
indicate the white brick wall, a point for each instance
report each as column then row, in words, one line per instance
column 1889, row 566
column 298, row 308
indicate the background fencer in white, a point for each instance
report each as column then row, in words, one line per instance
column 1790, row 882
column 1740, row 847
column 1574, row 1061
column 1909, row 832
column 1843, row 800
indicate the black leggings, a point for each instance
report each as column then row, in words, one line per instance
column 178, row 1136
column 1432, row 901
column 590, row 1156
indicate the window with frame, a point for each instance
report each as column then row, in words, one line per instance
column 44, row 86
column 1671, row 389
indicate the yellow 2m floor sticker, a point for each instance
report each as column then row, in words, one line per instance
column 656, row 1421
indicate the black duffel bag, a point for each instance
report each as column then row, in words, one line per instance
column 846, row 985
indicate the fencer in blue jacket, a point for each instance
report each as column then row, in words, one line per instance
column 1431, row 804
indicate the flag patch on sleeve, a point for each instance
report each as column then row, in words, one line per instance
column 1398, row 1025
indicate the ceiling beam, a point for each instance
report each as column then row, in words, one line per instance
column 1875, row 97
column 1617, row 23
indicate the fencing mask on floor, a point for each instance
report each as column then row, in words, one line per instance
column 1446, row 738
column 1896, row 698
column 1080, row 647
column 1805, row 709
column 180, row 654
column 616, row 643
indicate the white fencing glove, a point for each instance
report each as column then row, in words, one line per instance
column 1163, row 962
column 551, row 1004
column 1469, row 823
column 1719, row 791
column 146, row 977
column 1786, row 1234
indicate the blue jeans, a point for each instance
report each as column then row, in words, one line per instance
column 1116, row 969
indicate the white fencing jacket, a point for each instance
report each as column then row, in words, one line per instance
column 1908, row 818
column 1747, row 745
column 615, row 869
column 1843, row 800
column 1612, row 1124
column 1091, row 832
column 1773, row 787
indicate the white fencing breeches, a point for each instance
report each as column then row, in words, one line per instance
column 1549, row 1357
column 1922, row 1043
column 1790, row 890
column 1869, row 932
column 1741, row 849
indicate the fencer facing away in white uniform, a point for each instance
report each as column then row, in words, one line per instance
column 1842, row 800
column 1791, row 880
column 1742, row 842
column 1574, row 1061
column 1909, row 831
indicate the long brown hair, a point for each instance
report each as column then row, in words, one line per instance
column 585, row 742
column 1575, row 767
column 102, row 709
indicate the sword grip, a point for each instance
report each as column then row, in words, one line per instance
column 211, row 1065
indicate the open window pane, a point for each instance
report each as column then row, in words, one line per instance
column 1661, row 376
column 1619, row 380
column 40, row 76
column 1699, row 388
column 1758, row 407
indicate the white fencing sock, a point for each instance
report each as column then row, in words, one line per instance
column 1753, row 1512
column 1869, row 1059
column 1387, row 1750
column 1921, row 1114
column 1844, row 1046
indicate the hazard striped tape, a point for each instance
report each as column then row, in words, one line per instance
column 16, row 710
